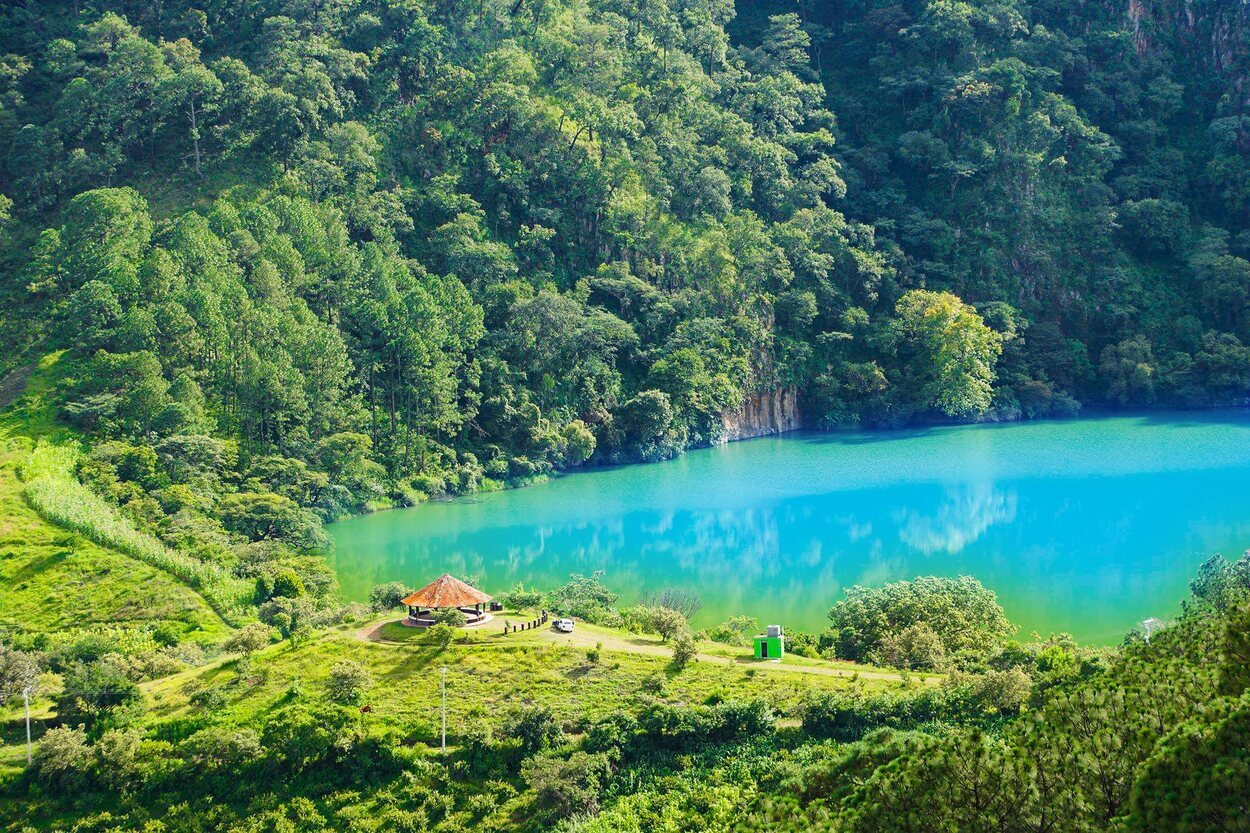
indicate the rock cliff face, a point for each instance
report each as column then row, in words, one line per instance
column 762, row 414
column 1212, row 34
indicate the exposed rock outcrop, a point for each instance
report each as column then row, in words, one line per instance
column 762, row 414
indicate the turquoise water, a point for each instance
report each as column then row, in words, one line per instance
column 1085, row 526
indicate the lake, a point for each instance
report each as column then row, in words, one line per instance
column 1086, row 526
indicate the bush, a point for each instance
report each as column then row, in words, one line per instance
column 388, row 596
column 916, row 647
column 93, row 691
column 847, row 716
column 208, row 698
column 991, row 693
column 737, row 631
column 564, row 788
column 451, row 617
column 518, row 598
column 679, row 727
column 348, row 682
column 612, row 734
column 661, row 620
column 248, row 640
column 440, row 635
column 684, row 649
column 584, row 597
column 535, row 727
column 62, row 759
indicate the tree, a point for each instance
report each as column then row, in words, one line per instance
column 192, row 91
column 248, row 639
column 388, row 596
column 92, row 692
column 1129, row 371
column 916, row 646
column 19, row 671
column 264, row 516
column 348, row 682
column 1235, row 663
column 535, row 728
column 564, row 788
column 1197, row 781
column 665, row 621
column 961, row 613
column 947, row 352
column 579, row 443
column 63, row 760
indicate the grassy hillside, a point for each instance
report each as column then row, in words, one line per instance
column 52, row 578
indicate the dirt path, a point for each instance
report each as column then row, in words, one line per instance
column 640, row 645
column 585, row 637
column 371, row 632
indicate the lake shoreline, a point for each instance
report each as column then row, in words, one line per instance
column 1080, row 525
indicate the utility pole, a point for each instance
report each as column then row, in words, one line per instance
column 26, row 697
column 443, row 671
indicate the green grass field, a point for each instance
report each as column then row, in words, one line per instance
column 488, row 674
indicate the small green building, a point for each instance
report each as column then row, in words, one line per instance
column 771, row 644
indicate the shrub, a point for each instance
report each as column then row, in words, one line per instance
column 564, row 788
column 93, row 691
column 118, row 759
column 208, row 698
column 451, row 617
column 62, row 760
column 847, row 716
column 994, row 692
column 348, row 682
column 19, row 670
column 440, row 634
column 684, row 649
column 388, row 596
column 518, row 598
column 248, row 640
column 535, row 727
column 916, row 646
column 736, row 630
column 612, row 734
column 584, row 597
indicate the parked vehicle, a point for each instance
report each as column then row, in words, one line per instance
column 564, row 625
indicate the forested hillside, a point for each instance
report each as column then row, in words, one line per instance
column 354, row 253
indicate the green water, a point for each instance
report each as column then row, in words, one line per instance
column 1083, row 526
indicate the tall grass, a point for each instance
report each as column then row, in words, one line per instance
column 53, row 491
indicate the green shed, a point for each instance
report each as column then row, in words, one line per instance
column 771, row 644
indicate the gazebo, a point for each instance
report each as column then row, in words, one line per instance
column 444, row 592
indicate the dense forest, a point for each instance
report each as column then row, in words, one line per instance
column 295, row 259
column 265, row 264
